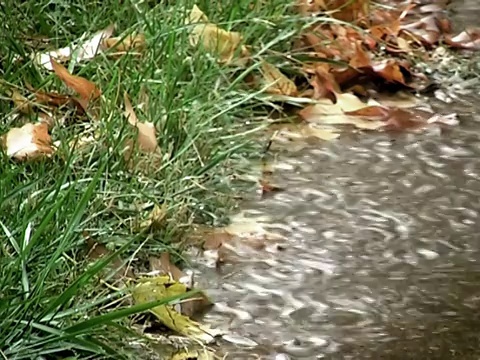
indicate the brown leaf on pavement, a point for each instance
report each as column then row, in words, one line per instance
column 468, row 39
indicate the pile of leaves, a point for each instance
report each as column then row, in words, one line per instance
column 344, row 63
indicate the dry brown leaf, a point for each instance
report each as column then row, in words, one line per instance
column 29, row 142
column 123, row 44
column 326, row 112
column 85, row 88
column 276, row 81
column 165, row 266
column 116, row 269
column 224, row 44
column 146, row 138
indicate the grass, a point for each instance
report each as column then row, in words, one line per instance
column 52, row 304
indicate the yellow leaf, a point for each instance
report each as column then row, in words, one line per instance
column 156, row 218
column 21, row 102
column 277, row 82
column 193, row 354
column 161, row 287
column 122, row 44
column 224, row 44
column 29, row 142
column 147, row 140
column 191, row 306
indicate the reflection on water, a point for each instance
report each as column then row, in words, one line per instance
column 381, row 258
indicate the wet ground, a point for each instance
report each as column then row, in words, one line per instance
column 381, row 254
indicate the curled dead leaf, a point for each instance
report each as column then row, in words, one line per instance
column 276, row 81
column 86, row 89
column 146, row 138
column 122, row 44
column 224, row 44
column 30, row 142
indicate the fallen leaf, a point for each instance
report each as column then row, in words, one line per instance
column 164, row 265
column 192, row 306
column 468, row 39
column 224, row 44
column 85, row 88
column 22, row 104
column 29, row 142
column 146, row 138
column 82, row 50
column 276, row 81
column 326, row 112
column 161, row 287
column 124, row 44
column 116, row 269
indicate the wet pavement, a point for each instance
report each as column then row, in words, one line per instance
column 381, row 250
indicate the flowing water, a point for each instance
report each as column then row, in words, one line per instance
column 381, row 257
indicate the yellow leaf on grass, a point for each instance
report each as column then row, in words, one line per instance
column 21, row 102
column 325, row 112
column 199, row 302
column 224, row 44
column 147, row 140
column 122, row 44
column 162, row 287
column 85, row 88
column 277, row 82
column 29, row 142
column 156, row 219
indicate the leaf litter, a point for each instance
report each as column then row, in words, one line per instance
column 351, row 62
column 342, row 86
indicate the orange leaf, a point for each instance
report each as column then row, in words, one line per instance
column 85, row 88
column 389, row 70
column 361, row 58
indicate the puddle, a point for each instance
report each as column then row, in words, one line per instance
column 381, row 257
